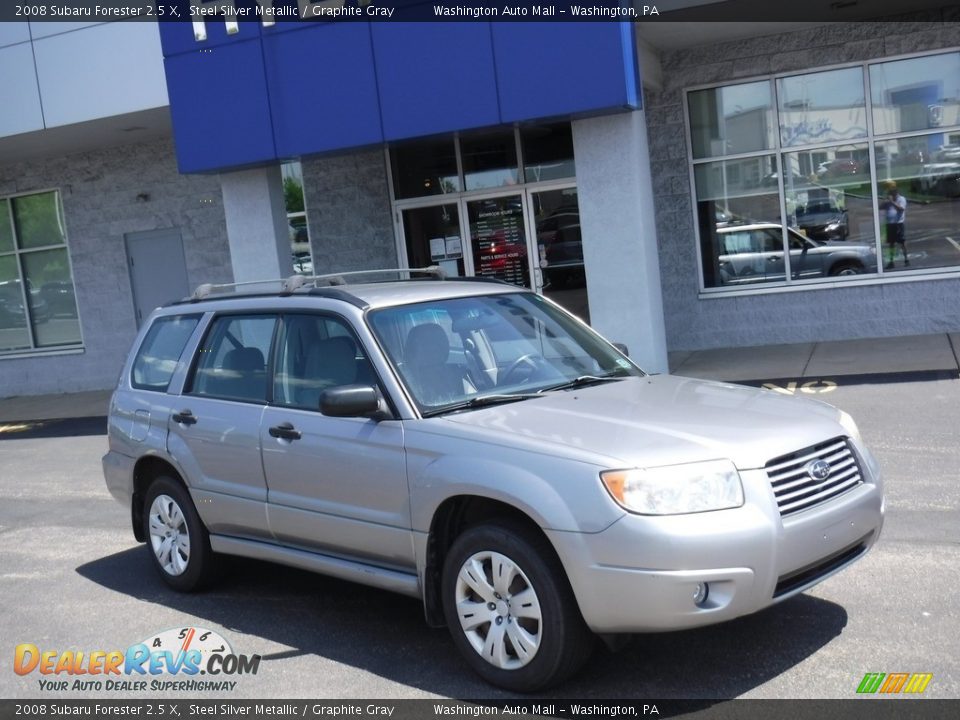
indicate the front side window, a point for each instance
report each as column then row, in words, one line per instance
column 38, row 307
column 490, row 348
column 316, row 353
column 232, row 362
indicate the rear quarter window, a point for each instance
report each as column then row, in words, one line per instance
column 160, row 352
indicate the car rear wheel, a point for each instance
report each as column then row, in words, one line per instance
column 177, row 541
column 510, row 609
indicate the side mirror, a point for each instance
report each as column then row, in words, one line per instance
column 352, row 401
column 622, row 348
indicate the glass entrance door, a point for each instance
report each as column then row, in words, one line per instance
column 498, row 239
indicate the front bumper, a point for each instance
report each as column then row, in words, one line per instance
column 641, row 573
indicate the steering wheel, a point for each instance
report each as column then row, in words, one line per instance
column 531, row 361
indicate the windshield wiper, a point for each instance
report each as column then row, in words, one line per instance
column 582, row 381
column 481, row 401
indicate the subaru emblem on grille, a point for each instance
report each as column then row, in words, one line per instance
column 818, row 469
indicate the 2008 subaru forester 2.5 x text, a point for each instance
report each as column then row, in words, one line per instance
column 471, row 444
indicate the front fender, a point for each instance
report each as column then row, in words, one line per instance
column 556, row 494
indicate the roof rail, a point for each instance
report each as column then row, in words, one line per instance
column 207, row 289
column 288, row 285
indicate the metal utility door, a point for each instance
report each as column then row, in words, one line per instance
column 158, row 270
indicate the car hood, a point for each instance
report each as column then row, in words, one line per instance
column 662, row 420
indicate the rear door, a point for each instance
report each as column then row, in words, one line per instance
column 214, row 428
column 336, row 485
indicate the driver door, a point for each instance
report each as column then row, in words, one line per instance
column 336, row 485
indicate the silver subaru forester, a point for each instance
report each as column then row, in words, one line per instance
column 473, row 445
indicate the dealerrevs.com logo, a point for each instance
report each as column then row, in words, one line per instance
column 168, row 661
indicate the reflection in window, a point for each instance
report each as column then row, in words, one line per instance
column 834, row 197
column 916, row 94
column 6, row 227
column 822, row 106
column 300, row 252
column 547, row 152
column 38, row 307
column 424, row 167
column 731, row 120
column 835, row 201
column 489, row 159
column 931, row 224
column 737, row 204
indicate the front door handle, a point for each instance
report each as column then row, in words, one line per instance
column 284, row 430
column 184, row 417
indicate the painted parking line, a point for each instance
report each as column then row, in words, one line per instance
column 823, row 385
column 954, row 243
column 808, row 387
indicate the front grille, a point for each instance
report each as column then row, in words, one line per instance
column 794, row 487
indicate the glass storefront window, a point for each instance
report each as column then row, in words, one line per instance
column 560, row 249
column 916, row 94
column 835, row 201
column 489, row 159
column 822, row 206
column 423, row 168
column 733, row 119
column 6, row 227
column 738, row 210
column 300, row 252
column 547, row 152
column 38, row 220
column 931, row 220
column 822, row 106
column 53, row 307
column 14, row 334
column 38, row 306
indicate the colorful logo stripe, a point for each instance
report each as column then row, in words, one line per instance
column 894, row 683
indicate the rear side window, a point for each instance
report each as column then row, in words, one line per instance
column 160, row 352
column 233, row 358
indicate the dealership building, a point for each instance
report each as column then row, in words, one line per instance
column 681, row 185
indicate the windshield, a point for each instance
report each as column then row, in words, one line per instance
column 451, row 352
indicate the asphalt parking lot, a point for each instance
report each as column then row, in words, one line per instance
column 73, row 578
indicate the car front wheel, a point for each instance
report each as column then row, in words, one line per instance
column 510, row 609
column 177, row 541
column 842, row 269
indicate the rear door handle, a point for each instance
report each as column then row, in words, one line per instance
column 184, row 417
column 284, row 430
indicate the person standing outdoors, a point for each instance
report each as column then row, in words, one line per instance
column 895, row 206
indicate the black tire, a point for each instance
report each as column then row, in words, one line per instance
column 198, row 562
column 564, row 642
column 846, row 268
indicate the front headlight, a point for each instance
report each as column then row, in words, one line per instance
column 676, row 489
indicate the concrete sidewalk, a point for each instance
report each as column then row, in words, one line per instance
column 841, row 358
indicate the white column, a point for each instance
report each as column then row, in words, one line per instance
column 256, row 224
column 619, row 235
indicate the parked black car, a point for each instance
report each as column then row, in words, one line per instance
column 822, row 220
